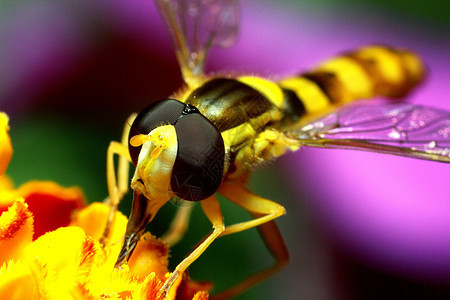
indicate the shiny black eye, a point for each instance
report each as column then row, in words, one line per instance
column 198, row 168
column 156, row 114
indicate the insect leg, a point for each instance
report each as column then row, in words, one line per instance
column 124, row 160
column 178, row 226
column 117, row 187
column 266, row 210
column 212, row 211
column 263, row 212
column 275, row 243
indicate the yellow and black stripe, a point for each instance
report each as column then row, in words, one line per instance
column 238, row 110
column 244, row 106
column 364, row 73
column 228, row 103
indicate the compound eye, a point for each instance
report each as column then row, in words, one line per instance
column 156, row 114
column 198, row 168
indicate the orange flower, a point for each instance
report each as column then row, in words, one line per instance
column 49, row 246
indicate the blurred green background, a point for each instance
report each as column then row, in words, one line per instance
column 61, row 127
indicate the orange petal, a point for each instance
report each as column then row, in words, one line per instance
column 201, row 296
column 5, row 143
column 189, row 289
column 150, row 287
column 150, row 255
column 16, row 231
column 93, row 220
column 51, row 204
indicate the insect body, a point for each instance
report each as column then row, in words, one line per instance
column 213, row 133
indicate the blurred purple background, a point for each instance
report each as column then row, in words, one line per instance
column 375, row 219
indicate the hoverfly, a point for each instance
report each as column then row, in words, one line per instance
column 210, row 135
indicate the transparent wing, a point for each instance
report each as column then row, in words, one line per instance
column 399, row 129
column 196, row 26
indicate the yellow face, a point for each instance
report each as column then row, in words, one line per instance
column 155, row 163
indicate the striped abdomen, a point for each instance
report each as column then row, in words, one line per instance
column 364, row 73
column 243, row 107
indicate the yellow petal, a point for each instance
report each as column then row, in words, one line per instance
column 16, row 230
column 112, row 283
column 17, row 282
column 5, row 143
column 7, row 192
column 174, row 289
column 59, row 258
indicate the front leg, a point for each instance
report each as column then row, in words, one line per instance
column 117, row 187
column 212, row 210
